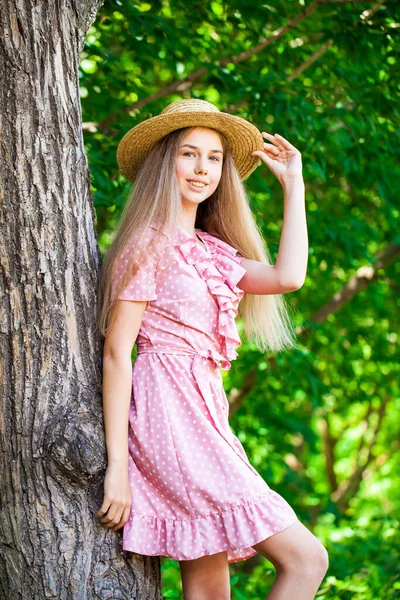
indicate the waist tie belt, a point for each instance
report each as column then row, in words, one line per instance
column 201, row 376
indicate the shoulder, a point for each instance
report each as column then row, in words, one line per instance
column 148, row 242
column 142, row 252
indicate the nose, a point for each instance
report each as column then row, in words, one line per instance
column 201, row 166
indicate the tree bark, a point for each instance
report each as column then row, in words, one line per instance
column 52, row 450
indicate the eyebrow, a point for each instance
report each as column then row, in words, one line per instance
column 196, row 148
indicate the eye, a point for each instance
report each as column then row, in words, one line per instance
column 192, row 153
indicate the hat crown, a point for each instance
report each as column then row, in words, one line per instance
column 242, row 136
column 189, row 105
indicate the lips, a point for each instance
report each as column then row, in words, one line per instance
column 199, row 185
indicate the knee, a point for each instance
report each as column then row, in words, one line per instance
column 311, row 563
column 321, row 560
column 315, row 562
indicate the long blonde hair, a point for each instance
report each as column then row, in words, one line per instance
column 226, row 214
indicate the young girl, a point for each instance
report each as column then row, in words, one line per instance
column 186, row 251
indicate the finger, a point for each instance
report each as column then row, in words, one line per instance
column 105, row 520
column 268, row 153
column 126, row 514
column 270, row 137
column 271, row 148
column 118, row 526
column 284, row 142
column 109, row 516
column 117, row 517
column 276, row 140
column 103, row 509
column 264, row 156
column 124, row 518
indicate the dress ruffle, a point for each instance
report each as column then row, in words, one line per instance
column 219, row 266
column 240, row 526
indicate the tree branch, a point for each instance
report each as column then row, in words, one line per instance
column 310, row 60
column 383, row 458
column 363, row 277
column 391, row 283
column 365, row 423
column 329, row 451
column 350, row 487
column 317, row 54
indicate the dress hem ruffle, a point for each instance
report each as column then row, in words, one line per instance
column 187, row 539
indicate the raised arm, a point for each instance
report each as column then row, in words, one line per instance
column 289, row 271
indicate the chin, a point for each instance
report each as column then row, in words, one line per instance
column 193, row 201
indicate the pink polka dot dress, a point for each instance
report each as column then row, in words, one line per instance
column 194, row 491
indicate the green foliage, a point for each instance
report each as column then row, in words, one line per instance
column 320, row 423
column 364, row 564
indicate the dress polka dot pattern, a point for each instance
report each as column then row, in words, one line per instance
column 194, row 491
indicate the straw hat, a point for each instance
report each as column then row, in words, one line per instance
column 243, row 137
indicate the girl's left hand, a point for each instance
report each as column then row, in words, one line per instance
column 281, row 157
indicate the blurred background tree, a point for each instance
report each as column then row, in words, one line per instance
column 320, row 423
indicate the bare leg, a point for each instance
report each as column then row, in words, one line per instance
column 206, row 578
column 300, row 560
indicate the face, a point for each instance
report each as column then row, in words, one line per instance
column 199, row 160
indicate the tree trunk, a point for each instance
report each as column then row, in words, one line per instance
column 51, row 424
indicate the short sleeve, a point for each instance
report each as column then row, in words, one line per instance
column 142, row 286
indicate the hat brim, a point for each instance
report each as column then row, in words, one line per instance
column 243, row 138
